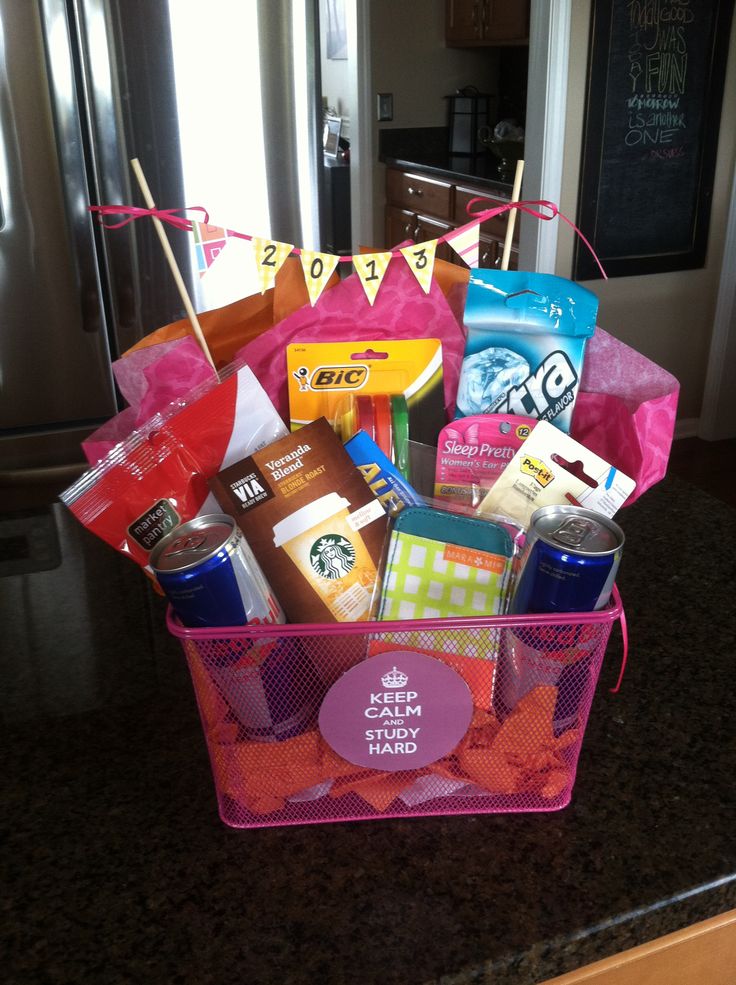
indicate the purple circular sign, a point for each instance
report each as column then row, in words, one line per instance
column 396, row 711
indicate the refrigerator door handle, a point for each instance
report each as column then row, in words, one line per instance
column 71, row 151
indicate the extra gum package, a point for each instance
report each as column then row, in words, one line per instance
column 472, row 452
column 525, row 345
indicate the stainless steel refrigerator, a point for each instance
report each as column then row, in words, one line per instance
column 87, row 85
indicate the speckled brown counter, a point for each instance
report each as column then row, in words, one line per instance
column 119, row 870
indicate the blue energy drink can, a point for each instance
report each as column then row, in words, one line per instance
column 211, row 579
column 569, row 565
column 570, row 561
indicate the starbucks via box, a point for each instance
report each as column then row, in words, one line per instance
column 312, row 522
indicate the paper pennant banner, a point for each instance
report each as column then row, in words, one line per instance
column 209, row 242
column 269, row 256
column 421, row 260
column 318, row 268
column 465, row 244
column 371, row 268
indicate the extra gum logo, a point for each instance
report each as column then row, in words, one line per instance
column 537, row 469
column 350, row 377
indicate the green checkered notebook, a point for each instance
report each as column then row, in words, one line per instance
column 427, row 579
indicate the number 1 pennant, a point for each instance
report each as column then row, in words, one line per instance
column 318, row 268
column 371, row 268
column 421, row 260
column 269, row 256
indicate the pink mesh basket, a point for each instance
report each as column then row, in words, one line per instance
column 260, row 691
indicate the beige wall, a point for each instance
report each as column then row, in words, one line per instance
column 409, row 59
column 335, row 80
column 668, row 317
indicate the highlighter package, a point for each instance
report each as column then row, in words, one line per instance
column 392, row 390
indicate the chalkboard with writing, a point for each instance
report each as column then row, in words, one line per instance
column 655, row 86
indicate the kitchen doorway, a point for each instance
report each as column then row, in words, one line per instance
column 545, row 123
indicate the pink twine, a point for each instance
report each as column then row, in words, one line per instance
column 538, row 213
column 133, row 212
column 625, row 641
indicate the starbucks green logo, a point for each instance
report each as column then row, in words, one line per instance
column 332, row 556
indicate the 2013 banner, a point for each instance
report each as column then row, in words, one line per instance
column 211, row 240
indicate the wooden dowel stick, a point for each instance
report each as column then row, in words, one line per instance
column 512, row 216
column 169, row 254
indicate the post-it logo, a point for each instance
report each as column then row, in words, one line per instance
column 537, row 469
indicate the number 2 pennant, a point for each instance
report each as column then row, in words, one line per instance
column 421, row 260
column 269, row 256
column 371, row 268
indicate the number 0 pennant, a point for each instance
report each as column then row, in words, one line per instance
column 421, row 260
column 269, row 256
column 371, row 268
column 318, row 268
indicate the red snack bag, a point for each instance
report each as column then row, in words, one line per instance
column 157, row 478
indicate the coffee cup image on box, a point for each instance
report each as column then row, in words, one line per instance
column 330, row 555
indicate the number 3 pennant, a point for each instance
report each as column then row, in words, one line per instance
column 269, row 256
column 318, row 268
column 421, row 260
column 371, row 268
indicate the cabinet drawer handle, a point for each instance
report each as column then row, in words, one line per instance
column 415, row 191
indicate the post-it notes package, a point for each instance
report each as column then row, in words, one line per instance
column 552, row 469
column 525, row 345
column 312, row 522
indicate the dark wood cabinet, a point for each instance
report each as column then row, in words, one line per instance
column 420, row 208
column 485, row 23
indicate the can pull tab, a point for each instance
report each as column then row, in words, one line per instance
column 573, row 531
column 186, row 545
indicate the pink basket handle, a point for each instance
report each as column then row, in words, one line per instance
column 625, row 639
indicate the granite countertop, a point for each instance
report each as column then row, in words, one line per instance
column 424, row 151
column 478, row 171
column 118, row 868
